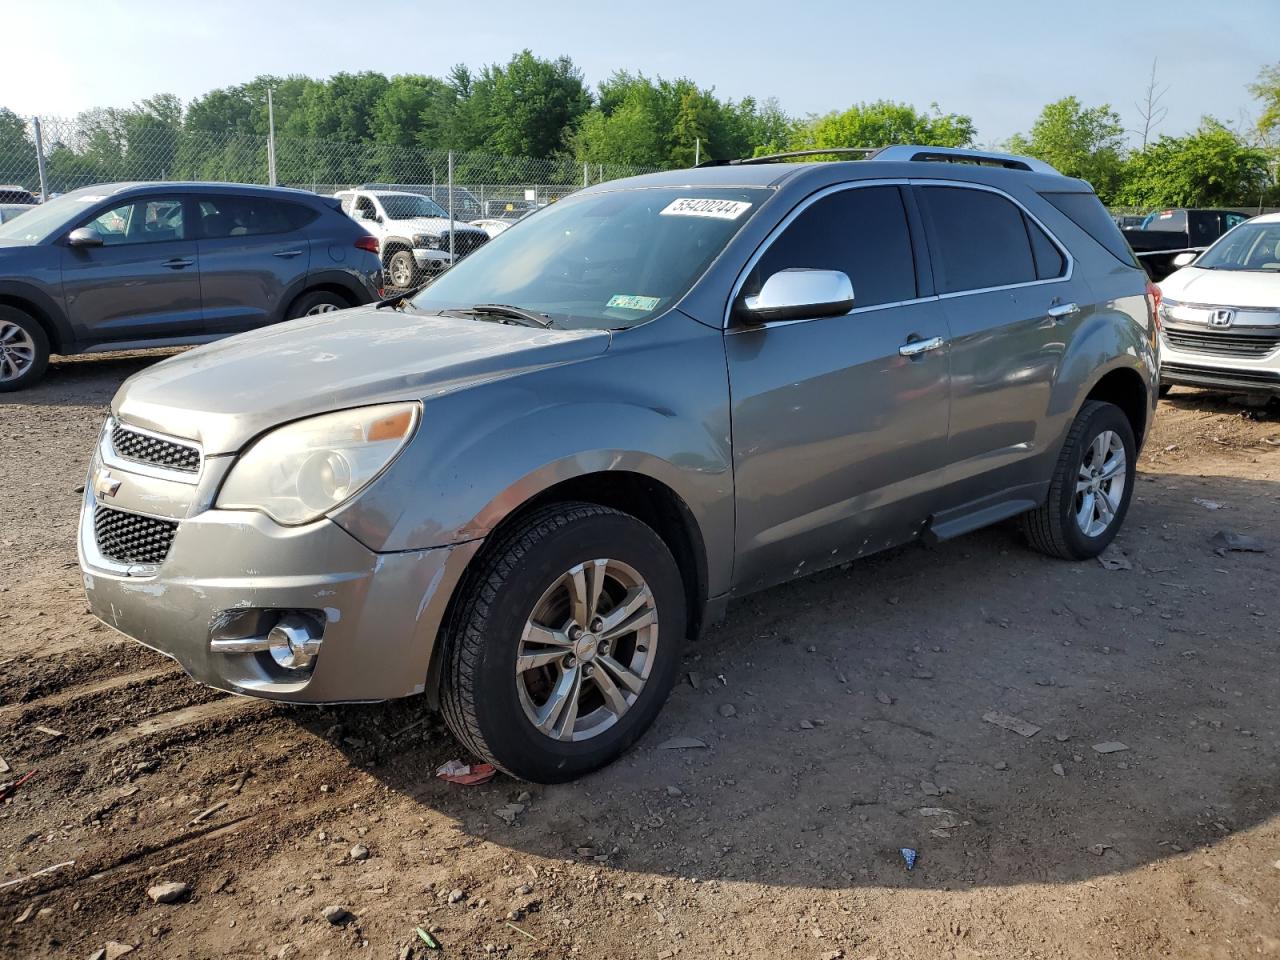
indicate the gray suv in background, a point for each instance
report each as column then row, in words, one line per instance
column 125, row 266
column 520, row 490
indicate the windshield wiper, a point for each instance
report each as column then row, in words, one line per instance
column 400, row 301
column 518, row 314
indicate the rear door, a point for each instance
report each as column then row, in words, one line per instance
column 252, row 254
column 143, row 282
column 839, row 423
column 1012, row 305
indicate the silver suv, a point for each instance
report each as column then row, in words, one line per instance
column 521, row 491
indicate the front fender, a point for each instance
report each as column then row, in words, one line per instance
column 62, row 334
column 657, row 408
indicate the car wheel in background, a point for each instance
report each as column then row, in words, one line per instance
column 564, row 643
column 24, row 349
column 1091, row 486
column 316, row 302
column 402, row 270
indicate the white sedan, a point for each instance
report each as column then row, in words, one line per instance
column 1220, row 313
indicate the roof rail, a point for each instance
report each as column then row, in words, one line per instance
column 859, row 153
column 1009, row 161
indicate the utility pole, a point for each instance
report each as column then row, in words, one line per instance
column 271, row 140
column 697, row 150
column 450, row 208
column 44, row 187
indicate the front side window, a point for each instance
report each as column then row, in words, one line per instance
column 861, row 232
column 408, row 206
column 600, row 260
column 150, row 220
column 1250, row 247
column 980, row 237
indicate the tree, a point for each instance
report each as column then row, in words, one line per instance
column 529, row 106
column 1084, row 142
column 1267, row 89
column 1150, row 109
column 1211, row 167
column 17, row 151
column 881, row 124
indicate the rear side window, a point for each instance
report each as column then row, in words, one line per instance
column 231, row 216
column 861, row 231
column 980, row 237
column 1050, row 264
column 1086, row 211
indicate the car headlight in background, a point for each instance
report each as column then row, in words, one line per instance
column 422, row 240
column 301, row 471
column 1168, row 308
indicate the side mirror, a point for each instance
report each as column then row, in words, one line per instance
column 84, row 237
column 1184, row 259
column 799, row 293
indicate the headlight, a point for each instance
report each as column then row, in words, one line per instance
column 301, row 471
column 422, row 240
column 1167, row 307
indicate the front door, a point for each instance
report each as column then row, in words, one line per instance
column 143, row 282
column 838, row 432
column 252, row 254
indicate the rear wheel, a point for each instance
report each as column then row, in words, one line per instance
column 317, row 302
column 24, row 349
column 565, row 643
column 1091, row 486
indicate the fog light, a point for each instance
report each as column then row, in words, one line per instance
column 293, row 642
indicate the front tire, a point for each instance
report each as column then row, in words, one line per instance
column 565, row 642
column 24, row 349
column 402, row 270
column 1091, row 487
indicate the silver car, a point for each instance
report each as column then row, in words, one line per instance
column 519, row 492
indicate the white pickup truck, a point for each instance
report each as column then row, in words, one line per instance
column 412, row 232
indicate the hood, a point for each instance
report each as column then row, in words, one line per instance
column 431, row 225
column 226, row 393
column 1223, row 288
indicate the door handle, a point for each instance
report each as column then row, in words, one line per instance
column 286, row 254
column 1060, row 311
column 177, row 263
column 913, row 348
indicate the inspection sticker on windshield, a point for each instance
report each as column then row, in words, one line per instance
column 632, row 302
column 716, row 209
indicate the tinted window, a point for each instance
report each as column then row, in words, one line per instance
column 249, row 216
column 980, row 237
column 862, row 232
column 152, row 220
column 1229, row 220
column 1049, row 260
column 1086, row 211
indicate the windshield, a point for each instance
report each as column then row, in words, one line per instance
column 1250, row 246
column 49, row 218
column 604, row 261
column 407, row 206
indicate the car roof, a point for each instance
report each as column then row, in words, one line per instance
column 190, row 186
column 1263, row 217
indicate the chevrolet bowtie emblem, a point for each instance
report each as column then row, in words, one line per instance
column 105, row 485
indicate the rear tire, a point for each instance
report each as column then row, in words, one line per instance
column 1091, row 487
column 316, row 302
column 24, row 349
column 510, row 656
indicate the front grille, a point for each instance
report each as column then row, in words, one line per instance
column 465, row 243
column 131, row 537
column 1217, row 344
column 145, row 448
column 1182, row 373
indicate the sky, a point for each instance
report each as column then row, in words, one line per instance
column 999, row 61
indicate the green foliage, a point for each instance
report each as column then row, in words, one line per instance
column 1211, row 167
column 1267, row 89
column 882, row 123
column 1084, row 142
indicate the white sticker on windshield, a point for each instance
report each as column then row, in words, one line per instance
column 716, row 209
column 632, row 302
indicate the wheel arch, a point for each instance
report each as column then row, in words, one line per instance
column 43, row 311
column 1125, row 388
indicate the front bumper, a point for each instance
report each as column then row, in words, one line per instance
column 429, row 258
column 1180, row 367
column 228, row 570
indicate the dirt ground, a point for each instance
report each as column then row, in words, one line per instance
column 857, row 729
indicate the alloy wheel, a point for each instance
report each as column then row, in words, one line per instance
column 1100, row 483
column 401, row 276
column 587, row 650
column 320, row 308
column 17, row 351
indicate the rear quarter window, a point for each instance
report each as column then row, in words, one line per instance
column 1086, row 211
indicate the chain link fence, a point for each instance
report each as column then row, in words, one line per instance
column 50, row 155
